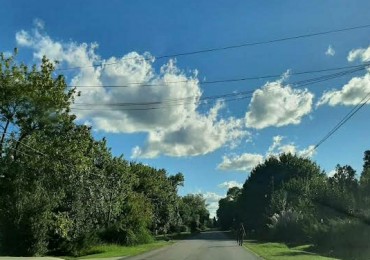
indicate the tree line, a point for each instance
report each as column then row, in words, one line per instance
column 291, row 199
column 61, row 190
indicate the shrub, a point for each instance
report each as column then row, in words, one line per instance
column 343, row 237
column 287, row 226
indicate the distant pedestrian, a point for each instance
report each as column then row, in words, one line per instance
column 240, row 235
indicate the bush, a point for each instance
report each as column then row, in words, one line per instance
column 287, row 226
column 129, row 237
column 184, row 228
column 343, row 238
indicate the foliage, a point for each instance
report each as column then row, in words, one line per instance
column 266, row 178
column 62, row 191
column 286, row 226
column 193, row 211
column 345, row 238
column 289, row 199
column 227, row 212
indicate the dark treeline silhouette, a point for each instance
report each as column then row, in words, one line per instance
column 62, row 191
column 289, row 199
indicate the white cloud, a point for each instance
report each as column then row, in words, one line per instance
column 351, row 93
column 38, row 23
column 247, row 161
column 198, row 134
column 331, row 173
column 276, row 104
column 212, row 202
column 359, row 54
column 177, row 129
column 277, row 148
column 244, row 162
column 230, row 184
column 276, row 142
column 330, row 51
column 23, row 38
column 308, row 152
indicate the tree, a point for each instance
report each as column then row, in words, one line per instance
column 31, row 100
column 345, row 178
column 193, row 211
column 228, row 213
column 266, row 178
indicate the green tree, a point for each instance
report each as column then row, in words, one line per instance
column 228, row 213
column 193, row 211
column 264, row 180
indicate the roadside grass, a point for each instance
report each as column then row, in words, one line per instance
column 112, row 250
column 280, row 251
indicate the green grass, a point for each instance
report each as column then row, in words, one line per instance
column 110, row 250
column 279, row 251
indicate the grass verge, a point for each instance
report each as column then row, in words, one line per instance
column 111, row 250
column 280, row 251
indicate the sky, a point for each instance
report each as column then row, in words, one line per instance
column 216, row 142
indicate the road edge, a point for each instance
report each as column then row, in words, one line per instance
column 250, row 250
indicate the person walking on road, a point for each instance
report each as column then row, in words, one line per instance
column 240, row 235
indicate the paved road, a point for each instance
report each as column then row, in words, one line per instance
column 213, row 245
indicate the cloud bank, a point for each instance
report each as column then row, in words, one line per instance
column 174, row 126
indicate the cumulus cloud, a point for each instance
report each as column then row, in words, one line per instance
column 168, row 112
column 247, row 161
column 244, row 162
column 353, row 92
column 212, row 202
column 330, row 51
column 276, row 104
column 198, row 135
column 361, row 54
column 230, row 184
column 277, row 147
column 23, row 38
column 276, row 142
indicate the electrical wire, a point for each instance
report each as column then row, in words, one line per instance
column 228, row 47
column 211, row 82
column 344, row 120
column 197, row 99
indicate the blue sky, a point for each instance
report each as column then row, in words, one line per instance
column 221, row 141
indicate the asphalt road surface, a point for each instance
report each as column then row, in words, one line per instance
column 214, row 245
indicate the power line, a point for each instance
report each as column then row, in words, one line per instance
column 344, row 120
column 348, row 116
column 182, row 101
column 236, row 46
column 264, row 42
column 230, row 80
